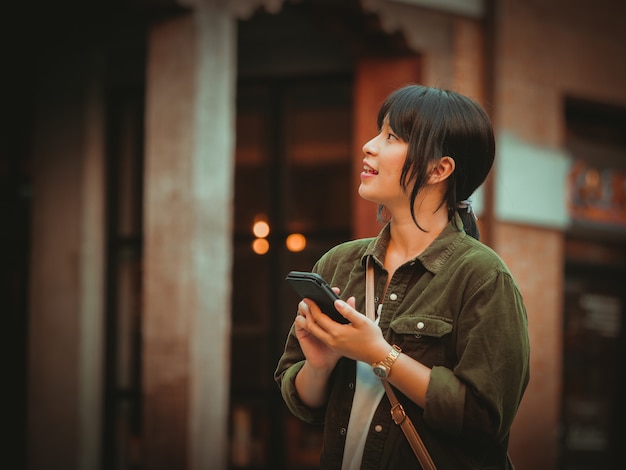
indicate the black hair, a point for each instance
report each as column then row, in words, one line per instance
column 437, row 123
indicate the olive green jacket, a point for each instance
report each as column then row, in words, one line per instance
column 454, row 308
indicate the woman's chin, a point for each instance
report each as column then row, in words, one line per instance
column 374, row 201
column 364, row 193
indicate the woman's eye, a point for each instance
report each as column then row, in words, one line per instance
column 391, row 137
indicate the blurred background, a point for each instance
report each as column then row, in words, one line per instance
column 165, row 163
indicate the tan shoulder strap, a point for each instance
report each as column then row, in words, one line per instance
column 370, row 306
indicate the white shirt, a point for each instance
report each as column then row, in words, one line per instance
column 367, row 394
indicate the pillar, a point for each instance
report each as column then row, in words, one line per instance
column 188, row 202
column 67, row 267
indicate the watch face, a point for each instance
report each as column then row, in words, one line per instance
column 380, row 371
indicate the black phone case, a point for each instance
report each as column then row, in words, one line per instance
column 314, row 287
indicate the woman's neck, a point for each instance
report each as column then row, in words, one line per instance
column 407, row 239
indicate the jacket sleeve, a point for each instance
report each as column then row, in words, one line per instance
column 483, row 391
column 288, row 367
column 334, row 268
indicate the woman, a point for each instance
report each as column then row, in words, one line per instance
column 445, row 300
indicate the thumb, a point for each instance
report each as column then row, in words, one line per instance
column 346, row 308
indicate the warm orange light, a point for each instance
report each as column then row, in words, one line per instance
column 260, row 246
column 296, row 242
column 261, row 229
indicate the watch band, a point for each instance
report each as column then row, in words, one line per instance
column 386, row 363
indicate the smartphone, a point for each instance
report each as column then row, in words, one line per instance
column 314, row 287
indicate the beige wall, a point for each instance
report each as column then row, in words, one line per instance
column 544, row 52
column 535, row 258
column 547, row 50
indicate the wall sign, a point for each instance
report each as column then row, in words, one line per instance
column 597, row 195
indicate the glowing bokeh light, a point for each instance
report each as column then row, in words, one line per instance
column 296, row 242
column 261, row 229
column 260, row 246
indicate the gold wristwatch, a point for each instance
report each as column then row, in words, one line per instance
column 382, row 369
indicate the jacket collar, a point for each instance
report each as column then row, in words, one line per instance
column 433, row 258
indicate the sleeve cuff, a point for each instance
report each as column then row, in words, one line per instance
column 445, row 401
column 292, row 400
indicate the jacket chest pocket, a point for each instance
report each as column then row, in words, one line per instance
column 423, row 337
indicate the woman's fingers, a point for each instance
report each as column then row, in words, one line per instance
column 348, row 310
column 318, row 323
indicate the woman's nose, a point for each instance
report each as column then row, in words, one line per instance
column 369, row 148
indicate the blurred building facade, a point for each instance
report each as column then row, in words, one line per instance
column 146, row 138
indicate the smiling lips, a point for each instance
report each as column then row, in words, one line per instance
column 369, row 170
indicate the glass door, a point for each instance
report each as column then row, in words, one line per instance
column 292, row 196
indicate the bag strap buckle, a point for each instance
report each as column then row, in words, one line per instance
column 397, row 414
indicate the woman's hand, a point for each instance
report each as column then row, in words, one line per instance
column 317, row 353
column 324, row 341
column 312, row 380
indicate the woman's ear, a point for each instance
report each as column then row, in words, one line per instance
column 441, row 169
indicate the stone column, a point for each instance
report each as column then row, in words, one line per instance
column 189, row 164
column 67, row 267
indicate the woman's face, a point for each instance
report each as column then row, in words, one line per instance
column 382, row 166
